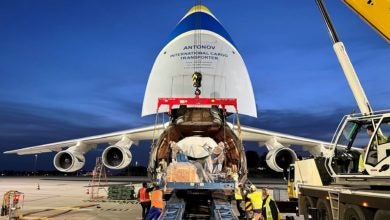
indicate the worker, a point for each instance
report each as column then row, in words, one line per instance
column 163, row 164
column 177, row 153
column 361, row 162
column 372, row 149
column 156, row 198
column 381, row 138
column 143, row 198
column 248, row 209
column 213, row 164
column 269, row 209
column 161, row 171
column 238, row 198
column 218, row 157
column 256, row 200
column 248, row 204
column 174, row 150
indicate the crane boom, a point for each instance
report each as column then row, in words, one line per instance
column 351, row 183
column 345, row 62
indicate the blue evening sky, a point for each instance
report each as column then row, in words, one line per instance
column 72, row 68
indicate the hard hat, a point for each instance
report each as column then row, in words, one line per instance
column 253, row 188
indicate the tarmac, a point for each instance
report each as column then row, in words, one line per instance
column 67, row 198
column 63, row 199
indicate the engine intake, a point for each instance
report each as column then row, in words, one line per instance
column 279, row 159
column 116, row 157
column 68, row 161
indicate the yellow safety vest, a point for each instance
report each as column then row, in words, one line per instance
column 361, row 163
column 248, row 206
column 235, row 176
column 382, row 139
column 256, row 199
column 269, row 212
column 237, row 193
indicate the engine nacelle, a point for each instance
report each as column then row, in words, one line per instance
column 279, row 159
column 68, row 161
column 116, row 157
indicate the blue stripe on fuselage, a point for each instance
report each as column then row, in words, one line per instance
column 197, row 21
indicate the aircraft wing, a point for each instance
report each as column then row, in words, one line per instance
column 138, row 134
column 273, row 140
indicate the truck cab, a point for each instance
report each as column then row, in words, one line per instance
column 361, row 146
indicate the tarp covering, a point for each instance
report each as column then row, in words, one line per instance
column 196, row 146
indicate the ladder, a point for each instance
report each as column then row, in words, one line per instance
column 99, row 175
column 334, row 198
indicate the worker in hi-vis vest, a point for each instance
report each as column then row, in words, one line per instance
column 238, row 198
column 156, row 198
column 361, row 168
column 248, row 209
column 143, row 198
column 269, row 209
column 248, row 205
column 256, row 200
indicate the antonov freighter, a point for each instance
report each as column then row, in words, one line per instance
column 200, row 80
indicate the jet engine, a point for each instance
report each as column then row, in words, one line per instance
column 118, row 156
column 69, row 161
column 279, row 159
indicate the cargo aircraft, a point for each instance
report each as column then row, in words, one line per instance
column 200, row 80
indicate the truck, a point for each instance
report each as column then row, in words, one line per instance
column 351, row 180
column 335, row 186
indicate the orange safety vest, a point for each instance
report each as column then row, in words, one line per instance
column 143, row 195
column 156, row 198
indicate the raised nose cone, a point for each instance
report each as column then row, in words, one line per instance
column 199, row 18
column 199, row 43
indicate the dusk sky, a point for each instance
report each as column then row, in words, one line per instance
column 72, row 68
